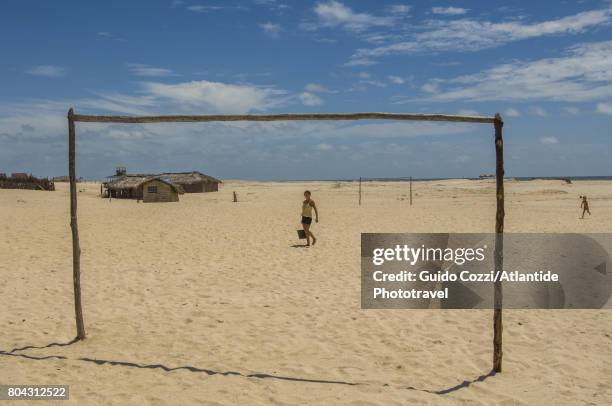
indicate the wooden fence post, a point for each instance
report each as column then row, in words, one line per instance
column 360, row 190
column 499, row 243
column 76, row 249
column 411, row 190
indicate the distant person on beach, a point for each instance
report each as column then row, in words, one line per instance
column 307, row 205
column 585, row 206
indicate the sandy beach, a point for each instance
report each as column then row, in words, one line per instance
column 206, row 301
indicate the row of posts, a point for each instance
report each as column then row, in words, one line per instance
column 360, row 180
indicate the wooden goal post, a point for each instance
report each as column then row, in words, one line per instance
column 499, row 181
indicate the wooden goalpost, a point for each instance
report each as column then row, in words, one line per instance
column 499, row 180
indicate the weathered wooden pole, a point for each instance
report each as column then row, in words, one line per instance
column 411, row 190
column 499, row 243
column 76, row 249
column 360, row 190
column 235, row 198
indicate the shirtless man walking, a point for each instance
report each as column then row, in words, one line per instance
column 585, row 206
column 307, row 205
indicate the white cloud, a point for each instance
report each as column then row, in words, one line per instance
column 119, row 103
column 273, row 5
column 365, row 82
column 271, row 29
column 310, row 99
column 49, row 71
column 473, row 35
column 334, row 13
column 604, row 108
column 110, row 35
column 468, row 112
column 43, row 118
column 549, row 140
column 583, row 73
column 317, row 88
column 215, row 96
column 396, row 80
column 399, row 8
column 204, row 9
column 376, row 37
column 252, row 149
column 154, row 98
column 360, row 62
column 376, row 83
column 431, row 87
column 511, row 112
column 451, row 11
column 396, row 130
column 140, row 69
column 571, row 110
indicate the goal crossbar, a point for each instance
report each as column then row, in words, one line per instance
column 280, row 117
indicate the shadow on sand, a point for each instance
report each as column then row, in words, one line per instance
column 15, row 352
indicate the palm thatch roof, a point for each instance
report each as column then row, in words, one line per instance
column 177, row 188
column 188, row 177
column 127, row 182
column 176, row 179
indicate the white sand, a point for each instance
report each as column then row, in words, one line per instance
column 214, row 285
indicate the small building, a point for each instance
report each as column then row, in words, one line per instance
column 20, row 175
column 156, row 190
column 129, row 186
column 126, row 187
column 143, row 187
column 20, row 180
column 193, row 182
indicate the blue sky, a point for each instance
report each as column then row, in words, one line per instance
column 547, row 70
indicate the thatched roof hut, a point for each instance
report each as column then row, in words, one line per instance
column 193, row 182
column 131, row 186
column 123, row 185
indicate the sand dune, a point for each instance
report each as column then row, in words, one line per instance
column 206, row 301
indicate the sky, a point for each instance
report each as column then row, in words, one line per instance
column 546, row 70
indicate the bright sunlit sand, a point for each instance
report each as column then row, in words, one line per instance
column 206, row 301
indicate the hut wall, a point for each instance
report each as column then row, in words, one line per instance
column 138, row 193
column 196, row 187
column 163, row 192
column 211, row 187
column 127, row 193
